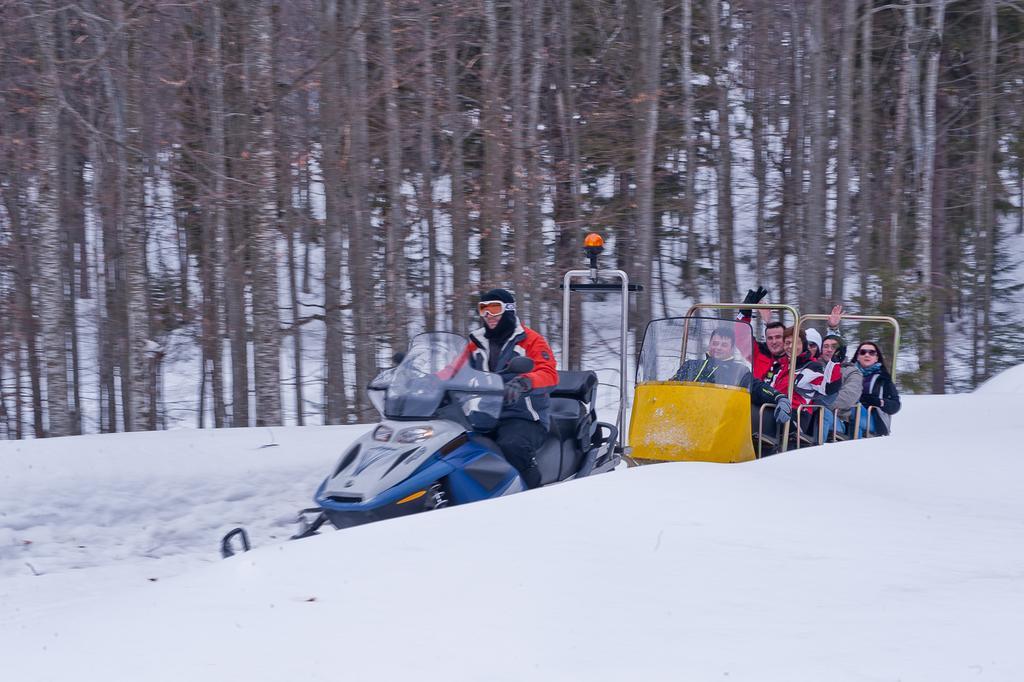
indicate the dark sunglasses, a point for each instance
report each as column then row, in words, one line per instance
column 867, row 351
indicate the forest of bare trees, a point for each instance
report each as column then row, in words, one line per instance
column 232, row 212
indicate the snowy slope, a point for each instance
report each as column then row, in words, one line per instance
column 891, row 559
column 1010, row 381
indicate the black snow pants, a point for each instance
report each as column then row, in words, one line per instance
column 519, row 441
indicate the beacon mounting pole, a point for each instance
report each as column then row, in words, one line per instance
column 593, row 246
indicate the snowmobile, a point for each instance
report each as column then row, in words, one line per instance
column 431, row 450
column 684, row 411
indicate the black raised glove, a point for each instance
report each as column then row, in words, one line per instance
column 753, row 296
column 516, row 388
column 869, row 400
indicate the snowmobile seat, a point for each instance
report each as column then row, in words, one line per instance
column 572, row 416
column 575, row 385
column 565, row 418
column 549, row 459
column 572, row 405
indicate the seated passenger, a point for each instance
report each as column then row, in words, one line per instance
column 719, row 365
column 877, row 390
column 780, row 380
column 808, row 380
column 842, row 384
column 809, row 375
column 813, row 342
column 833, row 352
column 839, row 389
column 762, row 393
column 768, row 357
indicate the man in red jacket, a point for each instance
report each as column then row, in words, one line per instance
column 770, row 359
column 523, row 424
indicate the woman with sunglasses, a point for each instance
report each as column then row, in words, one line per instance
column 877, row 390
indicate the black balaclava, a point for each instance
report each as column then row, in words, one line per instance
column 507, row 324
column 497, row 337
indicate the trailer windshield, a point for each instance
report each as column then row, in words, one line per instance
column 697, row 349
column 435, row 368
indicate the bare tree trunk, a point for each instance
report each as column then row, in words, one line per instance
column 794, row 229
column 234, row 246
column 19, row 416
column 983, row 193
column 360, row 250
column 50, row 287
column 812, row 293
column 395, row 263
column 285, row 148
column 141, row 408
column 24, row 276
column 330, row 125
column 689, row 147
column 307, row 178
column 928, row 232
column 461, row 285
column 263, row 241
column 72, row 218
column 433, row 254
column 5, row 413
column 568, row 100
column 293, row 291
column 1020, row 194
column 844, row 117
column 757, row 29
column 892, row 263
column 865, row 153
column 520, row 238
column 105, row 198
column 210, row 342
column 216, row 261
column 939, row 296
column 723, row 163
column 491, row 215
column 534, row 251
column 913, row 38
column 650, row 71
column 566, row 159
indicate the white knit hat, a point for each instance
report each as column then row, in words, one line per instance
column 814, row 337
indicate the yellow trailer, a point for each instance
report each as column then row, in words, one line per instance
column 692, row 394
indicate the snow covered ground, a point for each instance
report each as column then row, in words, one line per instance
column 891, row 559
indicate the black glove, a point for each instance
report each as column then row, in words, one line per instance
column 869, row 400
column 753, row 296
column 516, row 388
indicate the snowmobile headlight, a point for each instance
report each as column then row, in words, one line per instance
column 383, row 433
column 415, row 434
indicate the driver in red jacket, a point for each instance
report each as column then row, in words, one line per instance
column 523, row 425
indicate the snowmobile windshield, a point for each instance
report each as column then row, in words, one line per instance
column 698, row 350
column 435, row 369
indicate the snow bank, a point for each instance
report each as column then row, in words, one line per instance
column 84, row 501
column 887, row 559
column 1007, row 381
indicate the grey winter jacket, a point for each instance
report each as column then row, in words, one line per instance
column 849, row 394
